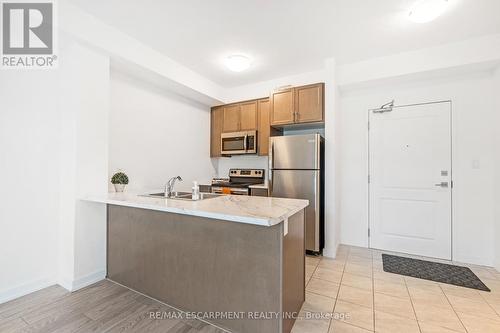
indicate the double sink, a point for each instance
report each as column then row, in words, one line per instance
column 182, row 196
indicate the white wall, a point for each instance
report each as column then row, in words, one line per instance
column 155, row 135
column 497, row 170
column 29, row 194
column 473, row 129
column 84, row 101
column 262, row 89
column 53, row 152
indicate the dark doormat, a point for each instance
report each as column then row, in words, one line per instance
column 433, row 271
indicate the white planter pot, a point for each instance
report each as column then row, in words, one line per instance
column 119, row 187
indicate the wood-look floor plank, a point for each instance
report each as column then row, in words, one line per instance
column 60, row 324
column 16, row 307
column 112, row 319
column 163, row 323
column 12, row 325
column 112, row 305
column 140, row 320
column 79, row 301
column 99, row 308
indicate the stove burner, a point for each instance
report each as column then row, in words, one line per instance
column 231, row 184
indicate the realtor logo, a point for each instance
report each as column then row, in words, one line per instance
column 28, row 34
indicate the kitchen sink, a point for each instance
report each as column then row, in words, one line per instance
column 182, row 196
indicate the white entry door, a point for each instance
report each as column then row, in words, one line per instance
column 410, row 180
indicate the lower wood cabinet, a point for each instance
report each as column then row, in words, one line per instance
column 259, row 192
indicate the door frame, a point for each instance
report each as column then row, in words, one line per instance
column 369, row 112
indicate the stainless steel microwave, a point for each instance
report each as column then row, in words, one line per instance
column 237, row 143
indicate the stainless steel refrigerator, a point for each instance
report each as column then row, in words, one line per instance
column 296, row 170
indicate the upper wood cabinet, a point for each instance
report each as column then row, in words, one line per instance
column 240, row 117
column 231, row 121
column 298, row 105
column 264, row 130
column 216, row 121
column 309, row 103
column 248, row 116
column 282, row 106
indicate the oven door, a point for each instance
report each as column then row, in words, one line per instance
column 239, row 143
column 230, row 190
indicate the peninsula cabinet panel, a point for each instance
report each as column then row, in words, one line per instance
column 248, row 116
column 231, row 122
column 282, row 106
column 309, row 103
column 216, row 120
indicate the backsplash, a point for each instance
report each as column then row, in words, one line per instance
column 242, row 162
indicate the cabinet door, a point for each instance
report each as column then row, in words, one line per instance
column 309, row 103
column 231, row 118
column 216, row 120
column 248, row 116
column 264, row 130
column 282, row 107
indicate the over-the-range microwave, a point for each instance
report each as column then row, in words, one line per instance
column 237, row 143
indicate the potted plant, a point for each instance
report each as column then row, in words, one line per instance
column 119, row 180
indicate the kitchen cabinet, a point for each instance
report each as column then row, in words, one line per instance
column 264, row 130
column 298, row 105
column 231, row 122
column 282, row 106
column 248, row 116
column 259, row 192
column 309, row 103
column 243, row 116
column 216, row 121
column 240, row 117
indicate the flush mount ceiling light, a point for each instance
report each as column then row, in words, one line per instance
column 237, row 62
column 427, row 10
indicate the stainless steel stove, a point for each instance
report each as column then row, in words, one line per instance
column 238, row 182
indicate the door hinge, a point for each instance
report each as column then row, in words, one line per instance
column 368, row 232
column 368, row 125
column 369, row 179
column 451, row 184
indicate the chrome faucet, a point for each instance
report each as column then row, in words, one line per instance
column 169, row 187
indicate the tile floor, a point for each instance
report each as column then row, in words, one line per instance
column 353, row 294
column 350, row 294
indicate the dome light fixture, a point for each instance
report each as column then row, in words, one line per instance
column 424, row 11
column 237, row 62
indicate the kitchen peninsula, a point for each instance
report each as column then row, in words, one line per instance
column 228, row 254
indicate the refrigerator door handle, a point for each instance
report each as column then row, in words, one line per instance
column 271, row 165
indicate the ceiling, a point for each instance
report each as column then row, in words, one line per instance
column 285, row 37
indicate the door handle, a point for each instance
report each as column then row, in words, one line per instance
column 442, row 184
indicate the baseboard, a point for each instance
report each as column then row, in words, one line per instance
column 87, row 280
column 327, row 253
column 25, row 289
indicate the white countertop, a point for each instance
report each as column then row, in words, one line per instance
column 263, row 186
column 263, row 211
